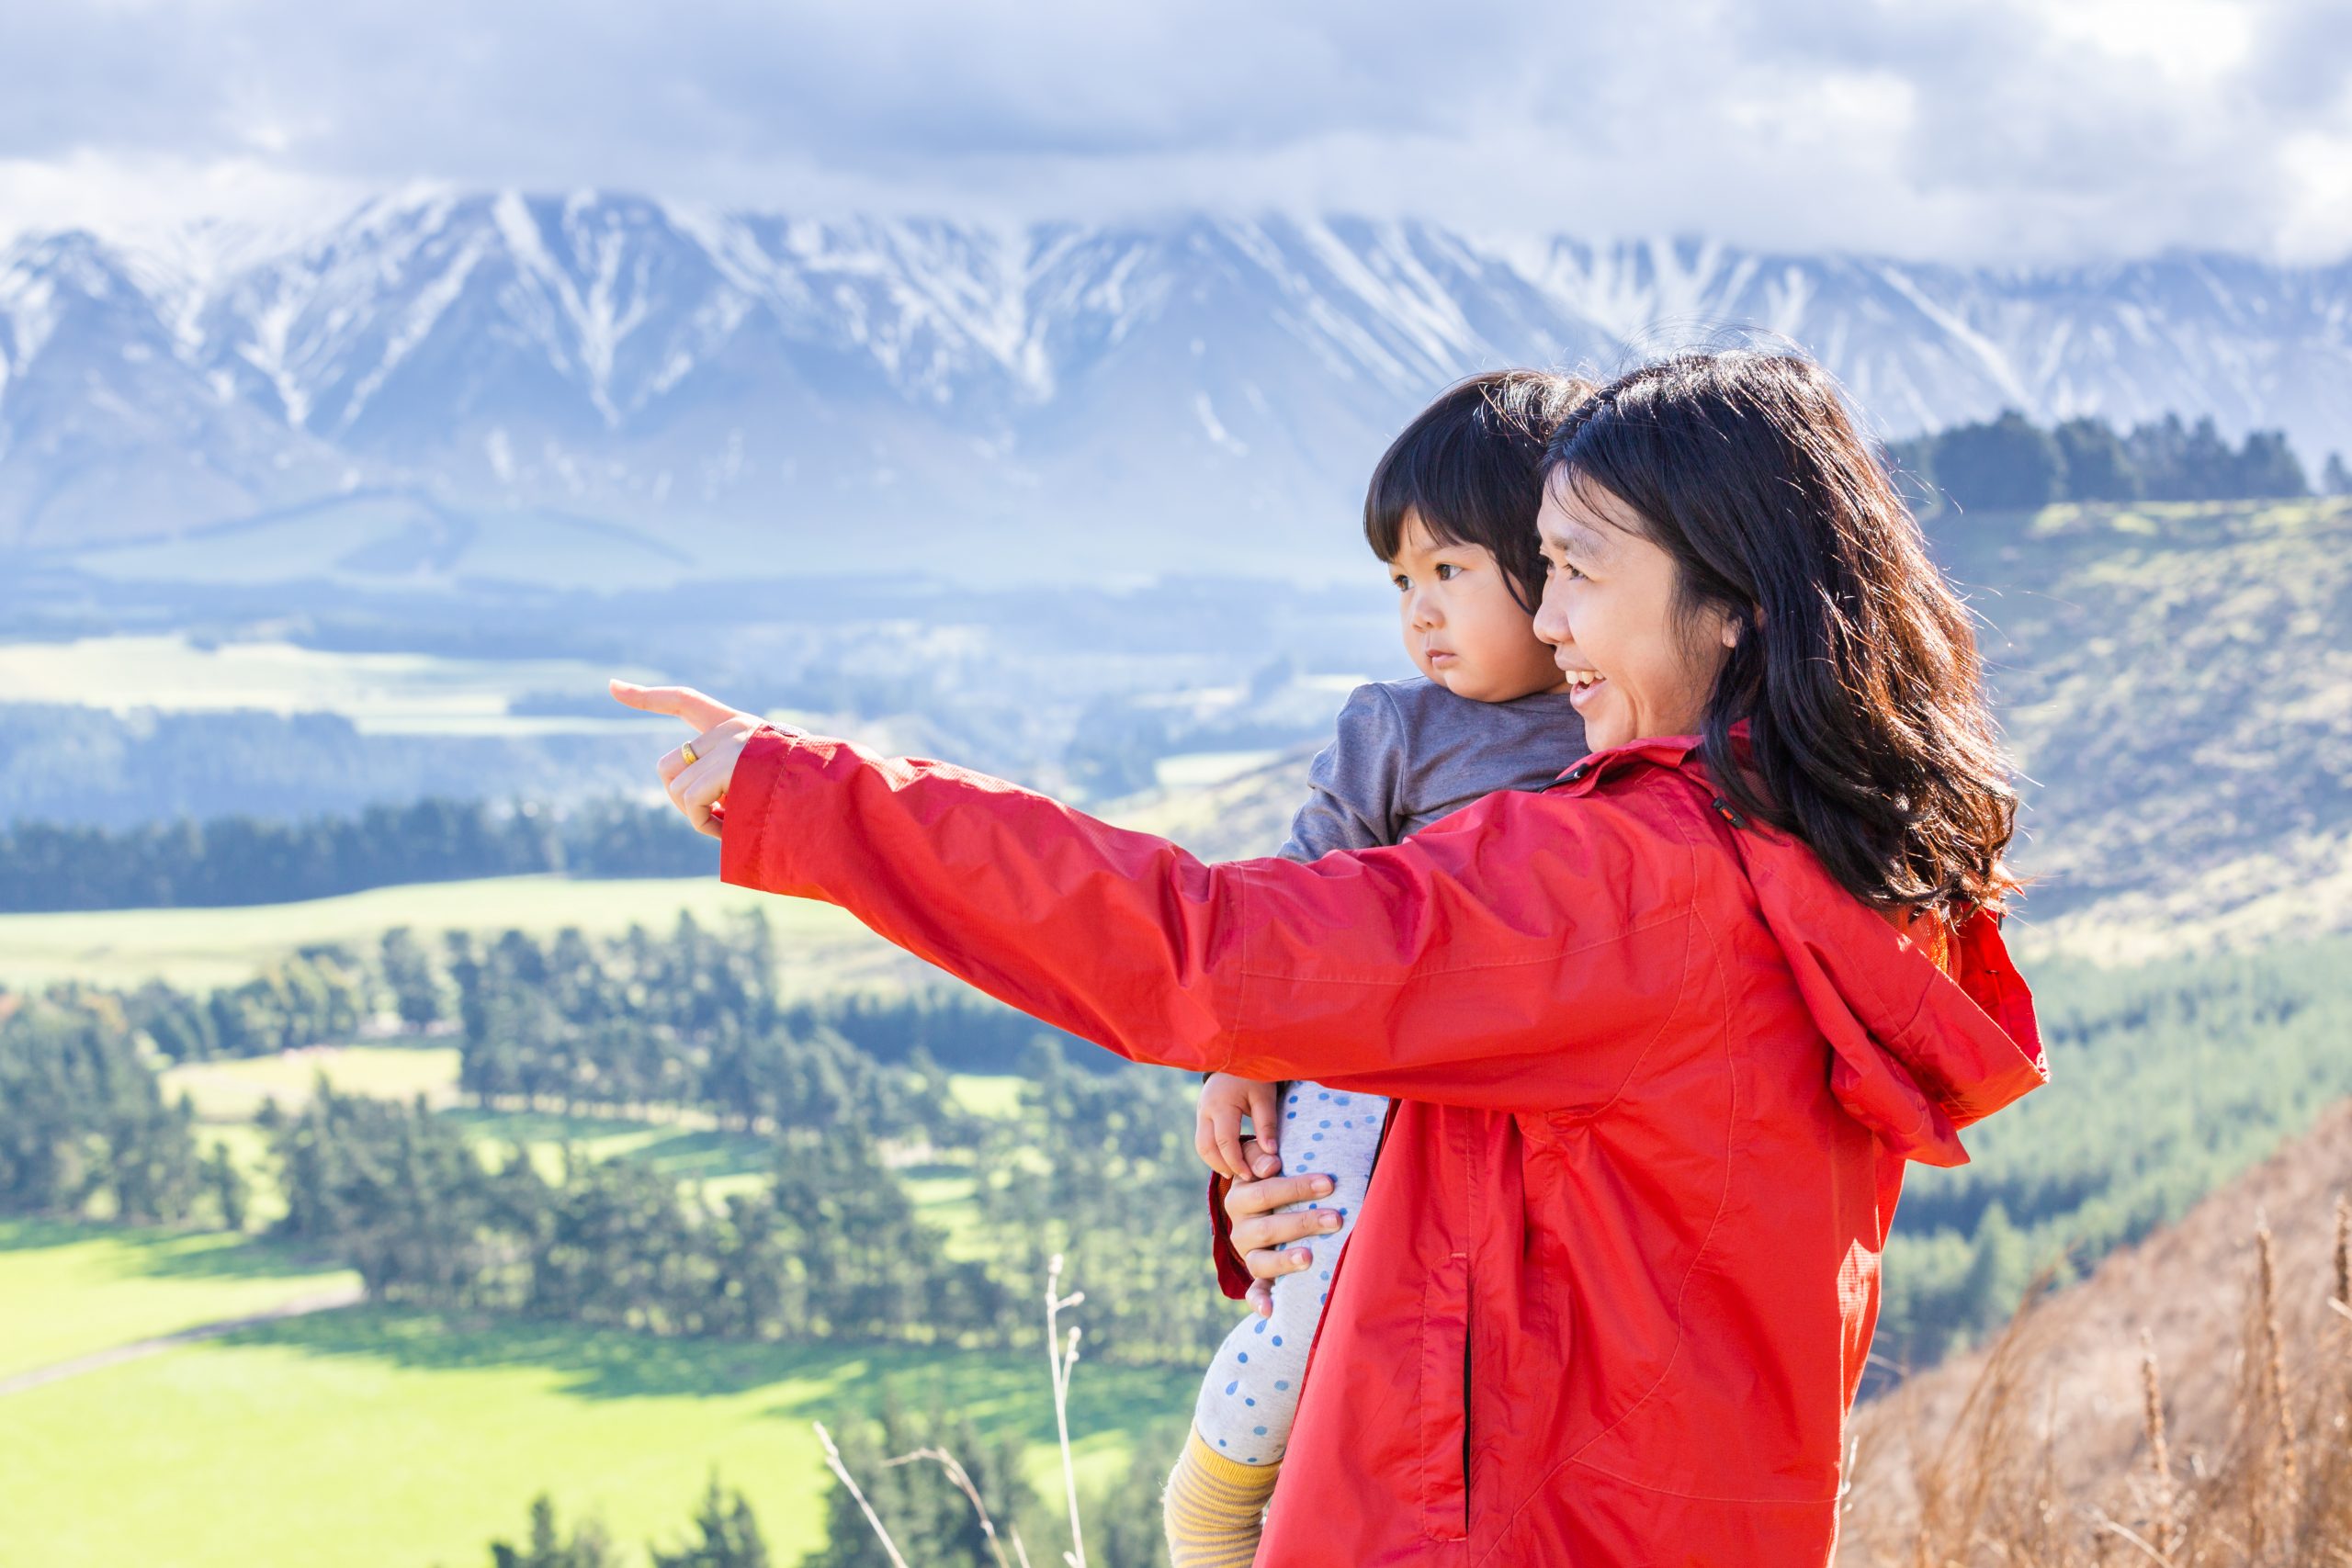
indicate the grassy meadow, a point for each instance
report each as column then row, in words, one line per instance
column 67, row 1291
column 375, row 1438
column 826, row 951
column 371, row 1435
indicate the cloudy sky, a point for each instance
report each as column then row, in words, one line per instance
column 1969, row 129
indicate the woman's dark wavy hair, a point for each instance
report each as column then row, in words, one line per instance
column 1856, row 666
column 1470, row 467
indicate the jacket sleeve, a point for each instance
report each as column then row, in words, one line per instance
column 1351, row 785
column 1463, row 966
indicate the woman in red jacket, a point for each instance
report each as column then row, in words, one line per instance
column 1663, row 1036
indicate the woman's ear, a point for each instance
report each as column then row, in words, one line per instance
column 1735, row 626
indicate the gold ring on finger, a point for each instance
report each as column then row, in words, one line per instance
column 687, row 751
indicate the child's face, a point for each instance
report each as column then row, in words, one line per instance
column 1461, row 624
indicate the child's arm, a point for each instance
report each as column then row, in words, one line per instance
column 1352, row 786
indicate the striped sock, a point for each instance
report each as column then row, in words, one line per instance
column 1215, row 1508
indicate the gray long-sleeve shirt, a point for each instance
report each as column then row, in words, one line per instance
column 1408, row 752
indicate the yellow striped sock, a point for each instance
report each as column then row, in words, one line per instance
column 1215, row 1508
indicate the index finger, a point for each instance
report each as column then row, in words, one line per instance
column 678, row 701
column 1248, row 1199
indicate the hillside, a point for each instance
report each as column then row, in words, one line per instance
column 609, row 390
column 2178, row 683
column 2187, row 1288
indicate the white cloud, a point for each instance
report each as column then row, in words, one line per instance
column 1967, row 128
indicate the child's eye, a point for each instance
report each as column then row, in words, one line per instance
column 1404, row 584
column 1447, row 571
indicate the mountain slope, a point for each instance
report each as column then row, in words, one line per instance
column 2178, row 684
column 733, row 388
column 2187, row 1288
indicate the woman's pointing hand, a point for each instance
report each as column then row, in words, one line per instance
column 697, row 786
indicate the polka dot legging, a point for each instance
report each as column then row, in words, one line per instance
column 1251, row 1392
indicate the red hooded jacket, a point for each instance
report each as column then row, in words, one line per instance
column 1658, row 1075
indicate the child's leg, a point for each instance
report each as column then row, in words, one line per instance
column 1241, row 1422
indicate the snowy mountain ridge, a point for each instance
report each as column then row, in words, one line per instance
column 1131, row 398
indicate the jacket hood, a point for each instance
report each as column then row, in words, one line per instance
column 1919, row 1052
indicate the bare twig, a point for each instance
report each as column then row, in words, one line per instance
column 2274, row 1350
column 833, row 1458
column 963, row 1482
column 1061, row 1357
column 2159, row 1455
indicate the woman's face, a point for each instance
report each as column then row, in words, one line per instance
column 1637, row 666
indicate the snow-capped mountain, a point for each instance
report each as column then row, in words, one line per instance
column 513, row 386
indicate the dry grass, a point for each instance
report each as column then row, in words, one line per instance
column 2264, row 1482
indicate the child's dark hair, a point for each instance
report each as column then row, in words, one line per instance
column 1470, row 467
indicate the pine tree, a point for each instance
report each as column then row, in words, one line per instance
column 2267, row 468
column 2335, row 479
column 589, row 1547
column 2009, row 463
column 731, row 1535
column 409, row 975
column 230, row 1189
column 2096, row 464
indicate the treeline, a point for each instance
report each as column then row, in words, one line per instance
column 828, row 1248
column 831, row 1247
column 727, row 1536
column 694, row 1018
column 2166, row 1081
column 619, row 1023
column 2012, row 463
column 930, row 1521
column 47, row 867
column 84, row 1126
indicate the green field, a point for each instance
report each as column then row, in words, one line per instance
column 822, row 950
column 227, row 1094
column 370, row 1437
column 66, row 1291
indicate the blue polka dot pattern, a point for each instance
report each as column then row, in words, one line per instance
column 1262, row 1383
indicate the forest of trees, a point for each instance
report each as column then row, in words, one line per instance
column 930, row 1521
column 726, row 1535
column 84, row 1124
column 46, row 867
column 2167, row 1081
column 2011, row 463
column 2175, row 1078
column 829, row 1246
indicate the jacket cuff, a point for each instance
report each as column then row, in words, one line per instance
column 744, row 814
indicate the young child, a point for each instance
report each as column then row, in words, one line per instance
column 1452, row 511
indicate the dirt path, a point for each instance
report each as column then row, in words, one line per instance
column 317, row 1301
